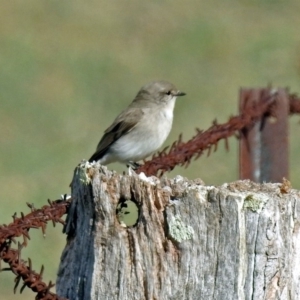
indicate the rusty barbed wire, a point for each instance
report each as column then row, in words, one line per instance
column 37, row 218
column 181, row 153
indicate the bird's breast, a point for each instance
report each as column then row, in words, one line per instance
column 159, row 123
column 146, row 137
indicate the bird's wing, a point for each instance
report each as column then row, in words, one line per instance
column 123, row 124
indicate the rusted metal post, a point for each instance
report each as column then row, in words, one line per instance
column 263, row 155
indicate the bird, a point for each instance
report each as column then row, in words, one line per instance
column 140, row 129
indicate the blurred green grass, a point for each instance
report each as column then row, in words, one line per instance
column 67, row 69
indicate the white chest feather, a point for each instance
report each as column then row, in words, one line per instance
column 168, row 112
column 166, row 120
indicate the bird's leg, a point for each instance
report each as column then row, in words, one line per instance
column 134, row 165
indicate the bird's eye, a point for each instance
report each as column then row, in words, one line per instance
column 168, row 92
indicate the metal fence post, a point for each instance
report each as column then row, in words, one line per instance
column 263, row 148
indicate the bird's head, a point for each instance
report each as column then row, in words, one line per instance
column 159, row 92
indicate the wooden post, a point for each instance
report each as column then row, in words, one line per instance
column 237, row 241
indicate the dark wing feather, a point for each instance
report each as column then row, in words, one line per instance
column 123, row 124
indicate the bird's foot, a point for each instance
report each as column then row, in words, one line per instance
column 133, row 165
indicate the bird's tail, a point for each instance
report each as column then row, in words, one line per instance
column 96, row 156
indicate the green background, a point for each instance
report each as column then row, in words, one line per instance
column 67, row 68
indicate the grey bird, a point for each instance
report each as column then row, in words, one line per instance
column 140, row 129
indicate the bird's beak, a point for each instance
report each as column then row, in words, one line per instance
column 179, row 93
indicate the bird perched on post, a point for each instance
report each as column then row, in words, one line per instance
column 141, row 128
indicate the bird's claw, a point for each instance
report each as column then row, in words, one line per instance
column 134, row 165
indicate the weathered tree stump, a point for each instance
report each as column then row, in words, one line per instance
column 237, row 241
